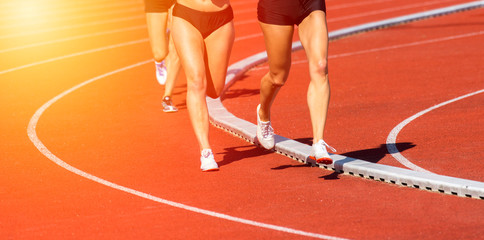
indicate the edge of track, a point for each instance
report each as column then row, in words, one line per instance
column 221, row 118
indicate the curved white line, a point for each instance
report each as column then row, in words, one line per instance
column 392, row 137
column 44, row 150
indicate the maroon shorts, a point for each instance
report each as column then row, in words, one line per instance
column 287, row 12
column 158, row 6
column 205, row 22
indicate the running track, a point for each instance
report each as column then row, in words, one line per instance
column 113, row 128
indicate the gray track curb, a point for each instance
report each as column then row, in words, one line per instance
column 221, row 118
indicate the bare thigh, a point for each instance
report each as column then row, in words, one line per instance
column 156, row 23
column 190, row 47
column 278, row 42
column 218, row 48
column 313, row 33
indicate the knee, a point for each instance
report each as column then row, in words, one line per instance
column 196, row 84
column 159, row 54
column 277, row 78
column 319, row 67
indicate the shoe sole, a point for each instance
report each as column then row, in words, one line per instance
column 322, row 160
column 210, row 170
column 260, row 143
column 162, row 83
column 170, row 111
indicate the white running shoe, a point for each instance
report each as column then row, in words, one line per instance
column 208, row 161
column 161, row 72
column 320, row 154
column 265, row 132
column 168, row 106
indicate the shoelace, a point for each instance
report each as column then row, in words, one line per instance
column 161, row 72
column 266, row 129
column 323, row 143
column 206, row 153
column 159, row 67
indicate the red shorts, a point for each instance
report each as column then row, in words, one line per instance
column 287, row 12
column 158, row 6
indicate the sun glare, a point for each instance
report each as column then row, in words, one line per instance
column 31, row 13
column 27, row 9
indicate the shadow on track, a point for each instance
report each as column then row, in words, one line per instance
column 371, row 155
column 234, row 154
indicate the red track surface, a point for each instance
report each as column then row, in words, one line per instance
column 113, row 128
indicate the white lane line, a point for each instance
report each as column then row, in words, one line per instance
column 5, row 36
column 38, row 44
column 55, row 20
column 387, row 10
column 103, row 33
column 70, row 27
column 31, row 132
column 18, row 13
column 74, row 55
column 101, row 49
column 95, row 23
column 357, row 4
column 392, row 137
column 412, row 44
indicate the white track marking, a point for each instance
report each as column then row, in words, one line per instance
column 31, row 131
column 410, row 44
column 357, row 4
column 13, row 15
column 392, row 137
column 96, row 23
column 62, row 28
column 100, row 49
column 74, row 55
column 49, row 21
column 38, row 44
column 237, row 39
column 389, row 47
column 387, row 10
column 108, row 32
column 236, row 23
